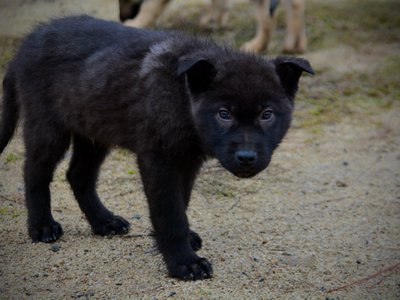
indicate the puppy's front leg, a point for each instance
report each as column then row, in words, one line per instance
column 164, row 188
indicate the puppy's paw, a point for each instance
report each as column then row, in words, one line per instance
column 46, row 233
column 195, row 240
column 194, row 269
column 112, row 226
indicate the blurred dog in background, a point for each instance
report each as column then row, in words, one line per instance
column 146, row 12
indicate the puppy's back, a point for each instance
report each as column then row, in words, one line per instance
column 73, row 39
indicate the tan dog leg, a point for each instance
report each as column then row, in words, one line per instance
column 217, row 15
column 295, row 39
column 265, row 27
column 148, row 13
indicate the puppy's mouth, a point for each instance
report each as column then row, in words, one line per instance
column 245, row 173
column 245, row 170
column 240, row 171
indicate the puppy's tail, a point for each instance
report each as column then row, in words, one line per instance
column 10, row 110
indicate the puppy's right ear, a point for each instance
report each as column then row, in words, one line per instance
column 198, row 71
column 289, row 70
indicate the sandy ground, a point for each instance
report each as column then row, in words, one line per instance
column 322, row 222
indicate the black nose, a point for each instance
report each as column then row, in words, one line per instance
column 246, row 158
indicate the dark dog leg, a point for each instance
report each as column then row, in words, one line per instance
column 188, row 178
column 82, row 176
column 45, row 146
column 163, row 186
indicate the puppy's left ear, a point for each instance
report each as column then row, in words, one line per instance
column 289, row 70
column 199, row 72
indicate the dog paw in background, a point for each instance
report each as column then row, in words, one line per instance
column 144, row 13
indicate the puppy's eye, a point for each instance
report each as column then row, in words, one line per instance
column 224, row 114
column 267, row 115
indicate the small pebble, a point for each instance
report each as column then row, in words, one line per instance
column 55, row 247
column 341, row 183
column 172, row 294
column 136, row 217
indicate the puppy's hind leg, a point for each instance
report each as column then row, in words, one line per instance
column 82, row 176
column 45, row 146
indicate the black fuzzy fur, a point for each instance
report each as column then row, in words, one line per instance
column 158, row 94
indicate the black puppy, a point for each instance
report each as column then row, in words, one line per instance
column 170, row 98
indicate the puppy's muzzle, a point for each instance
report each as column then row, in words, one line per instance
column 246, row 158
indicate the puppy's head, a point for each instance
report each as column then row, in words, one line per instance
column 242, row 106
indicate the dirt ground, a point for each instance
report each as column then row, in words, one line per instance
column 322, row 222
